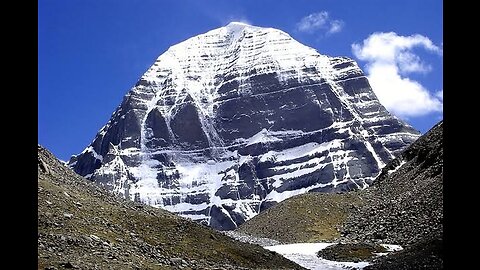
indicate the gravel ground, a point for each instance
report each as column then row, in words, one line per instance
column 246, row 238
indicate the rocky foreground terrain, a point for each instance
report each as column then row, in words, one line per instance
column 424, row 254
column 82, row 226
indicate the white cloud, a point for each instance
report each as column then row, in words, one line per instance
column 320, row 21
column 313, row 22
column 235, row 18
column 439, row 95
column 242, row 20
column 389, row 60
column 409, row 62
column 335, row 26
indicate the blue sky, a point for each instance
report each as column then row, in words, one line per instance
column 91, row 52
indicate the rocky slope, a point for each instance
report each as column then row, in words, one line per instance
column 232, row 121
column 405, row 204
column 424, row 254
column 82, row 226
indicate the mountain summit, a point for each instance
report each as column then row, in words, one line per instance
column 229, row 122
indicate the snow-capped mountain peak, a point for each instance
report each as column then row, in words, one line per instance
column 226, row 123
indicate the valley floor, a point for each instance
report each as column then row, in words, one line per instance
column 304, row 254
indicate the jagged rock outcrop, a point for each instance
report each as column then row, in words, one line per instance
column 227, row 123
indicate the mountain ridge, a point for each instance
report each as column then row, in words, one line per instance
column 232, row 121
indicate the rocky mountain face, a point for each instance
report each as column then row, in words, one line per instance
column 232, row 121
column 83, row 226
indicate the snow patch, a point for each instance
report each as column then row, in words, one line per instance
column 94, row 154
column 305, row 254
column 307, row 149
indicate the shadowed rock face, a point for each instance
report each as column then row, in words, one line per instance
column 230, row 122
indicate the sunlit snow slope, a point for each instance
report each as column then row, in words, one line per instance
column 229, row 122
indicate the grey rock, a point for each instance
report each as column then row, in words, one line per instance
column 94, row 237
column 175, row 261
